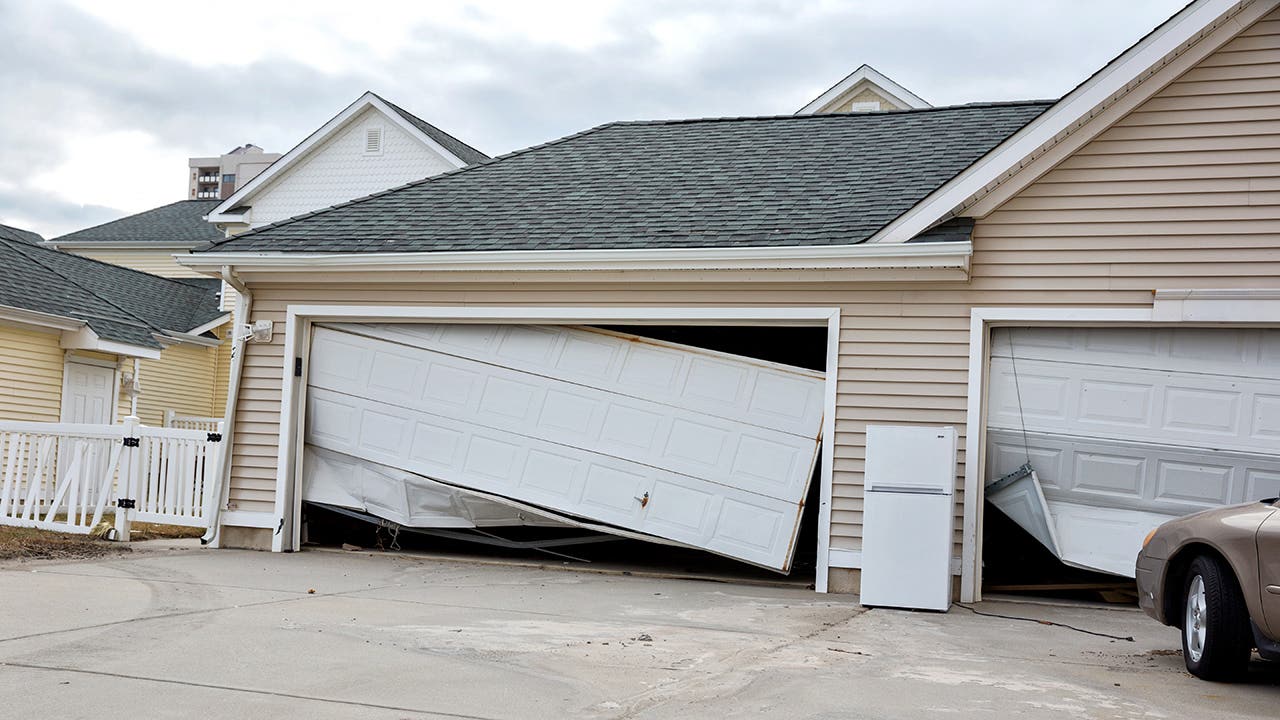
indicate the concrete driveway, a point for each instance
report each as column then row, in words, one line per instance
column 230, row 634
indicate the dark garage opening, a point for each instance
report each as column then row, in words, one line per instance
column 804, row 347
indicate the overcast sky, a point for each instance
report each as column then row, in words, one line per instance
column 103, row 102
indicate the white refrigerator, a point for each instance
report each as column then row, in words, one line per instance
column 908, row 517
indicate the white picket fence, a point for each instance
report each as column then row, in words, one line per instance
column 67, row 477
column 192, row 422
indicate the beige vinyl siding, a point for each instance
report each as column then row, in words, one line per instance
column 222, row 371
column 156, row 262
column 182, row 380
column 1124, row 217
column 30, row 375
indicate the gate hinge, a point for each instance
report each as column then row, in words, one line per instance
column 132, row 442
column 215, row 437
column 126, row 503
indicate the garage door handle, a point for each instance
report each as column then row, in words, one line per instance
column 643, row 500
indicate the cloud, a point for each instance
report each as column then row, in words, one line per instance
column 179, row 81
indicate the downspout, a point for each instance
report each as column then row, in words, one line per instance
column 244, row 305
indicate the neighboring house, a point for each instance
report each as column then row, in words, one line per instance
column 370, row 146
column 78, row 337
column 214, row 178
column 864, row 90
column 147, row 240
column 1128, row 232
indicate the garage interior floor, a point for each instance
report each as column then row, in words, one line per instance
column 804, row 347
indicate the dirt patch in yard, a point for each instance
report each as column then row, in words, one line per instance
column 31, row 544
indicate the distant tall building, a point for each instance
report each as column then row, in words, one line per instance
column 215, row 178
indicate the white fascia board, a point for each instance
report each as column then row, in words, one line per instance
column 85, row 338
column 215, row 323
column 169, row 337
column 890, row 89
column 32, row 318
column 1061, row 119
column 220, row 213
column 950, row 255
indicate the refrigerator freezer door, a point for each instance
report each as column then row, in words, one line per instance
column 906, row 550
column 911, row 459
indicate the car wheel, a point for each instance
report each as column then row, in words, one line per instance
column 1216, row 643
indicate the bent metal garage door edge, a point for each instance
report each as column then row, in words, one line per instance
column 706, row 449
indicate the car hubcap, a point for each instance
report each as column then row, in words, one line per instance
column 1194, row 625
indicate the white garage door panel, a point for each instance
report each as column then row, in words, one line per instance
column 1129, row 427
column 332, row 478
column 752, row 392
column 571, row 480
column 752, row 458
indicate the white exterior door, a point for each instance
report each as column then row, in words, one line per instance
column 705, row 449
column 88, row 393
column 1127, row 428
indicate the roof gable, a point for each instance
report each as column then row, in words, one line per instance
column 448, row 150
column 771, row 181
column 865, row 83
column 8, row 232
column 1134, row 76
column 177, row 224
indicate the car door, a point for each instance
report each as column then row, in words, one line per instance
column 1269, row 571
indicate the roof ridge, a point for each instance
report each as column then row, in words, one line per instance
column 429, row 179
column 140, row 322
column 410, row 116
column 819, row 117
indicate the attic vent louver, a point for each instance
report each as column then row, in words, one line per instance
column 373, row 141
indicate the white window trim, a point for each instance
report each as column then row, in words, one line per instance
column 297, row 340
column 1203, row 308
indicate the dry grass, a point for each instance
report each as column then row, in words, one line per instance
column 32, row 544
column 155, row 531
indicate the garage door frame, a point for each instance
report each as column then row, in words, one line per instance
column 297, row 342
column 1171, row 308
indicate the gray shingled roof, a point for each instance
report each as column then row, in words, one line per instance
column 771, row 181
column 463, row 151
column 118, row 304
column 179, row 222
column 9, row 232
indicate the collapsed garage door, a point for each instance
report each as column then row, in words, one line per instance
column 1126, row 428
column 439, row 425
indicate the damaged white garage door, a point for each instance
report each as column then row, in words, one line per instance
column 701, row 448
column 1127, row 428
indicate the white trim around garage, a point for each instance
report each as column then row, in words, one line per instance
column 298, row 324
column 1204, row 308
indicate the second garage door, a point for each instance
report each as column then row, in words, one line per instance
column 1127, row 428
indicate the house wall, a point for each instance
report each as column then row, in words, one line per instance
column 182, row 380
column 1181, row 194
column 30, row 375
column 222, row 371
column 157, row 262
column 339, row 170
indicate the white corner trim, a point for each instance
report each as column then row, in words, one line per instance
column 1060, row 119
column 220, row 213
column 298, row 322
column 949, row 255
column 1218, row 306
column 865, row 74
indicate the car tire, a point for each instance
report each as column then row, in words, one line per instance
column 1216, row 642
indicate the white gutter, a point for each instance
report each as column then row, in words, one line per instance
column 23, row 316
column 121, row 245
column 172, row 337
column 940, row 255
column 244, row 305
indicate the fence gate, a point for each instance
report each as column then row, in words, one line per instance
column 67, row 477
